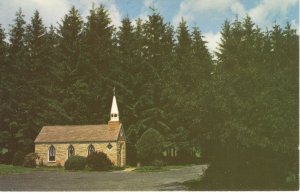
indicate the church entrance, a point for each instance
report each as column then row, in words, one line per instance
column 120, row 159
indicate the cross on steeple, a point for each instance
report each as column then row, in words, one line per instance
column 114, row 89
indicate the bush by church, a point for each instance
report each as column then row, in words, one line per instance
column 30, row 160
column 75, row 163
column 98, row 161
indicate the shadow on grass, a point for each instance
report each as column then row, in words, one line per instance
column 159, row 168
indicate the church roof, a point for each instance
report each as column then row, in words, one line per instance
column 77, row 133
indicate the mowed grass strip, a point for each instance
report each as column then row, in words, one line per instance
column 159, row 169
column 10, row 169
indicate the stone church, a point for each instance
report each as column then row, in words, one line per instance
column 55, row 144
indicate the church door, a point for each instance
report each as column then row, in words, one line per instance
column 119, row 161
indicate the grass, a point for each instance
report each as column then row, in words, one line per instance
column 159, row 169
column 150, row 169
column 10, row 169
column 177, row 166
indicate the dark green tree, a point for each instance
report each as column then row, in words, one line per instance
column 15, row 88
column 3, row 81
column 252, row 122
column 35, row 72
column 70, row 85
column 98, row 66
column 129, row 79
column 149, row 146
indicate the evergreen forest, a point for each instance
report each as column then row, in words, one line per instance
column 238, row 106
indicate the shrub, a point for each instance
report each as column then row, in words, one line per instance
column 6, row 158
column 185, row 157
column 149, row 146
column 30, row 160
column 18, row 158
column 59, row 165
column 41, row 163
column 171, row 160
column 75, row 163
column 98, row 161
column 157, row 163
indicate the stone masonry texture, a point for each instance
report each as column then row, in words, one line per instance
column 80, row 149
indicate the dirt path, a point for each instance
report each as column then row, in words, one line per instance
column 100, row 181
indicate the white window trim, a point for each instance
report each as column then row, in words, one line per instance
column 49, row 156
column 68, row 151
column 88, row 147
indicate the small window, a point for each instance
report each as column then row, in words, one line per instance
column 112, row 115
column 51, row 153
column 71, row 151
column 91, row 149
column 109, row 146
column 115, row 115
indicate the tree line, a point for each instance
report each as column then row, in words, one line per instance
column 240, row 110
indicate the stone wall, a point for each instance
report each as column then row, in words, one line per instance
column 80, row 149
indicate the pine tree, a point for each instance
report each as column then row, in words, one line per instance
column 38, row 73
column 15, row 88
column 3, row 45
column 99, row 67
column 4, row 110
column 70, row 32
column 246, row 97
column 99, row 38
column 70, row 85
column 184, row 41
column 201, row 55
column 184, row 54
column 17, row 38
column 130, row 69
column 127, row 82
column 157, row 49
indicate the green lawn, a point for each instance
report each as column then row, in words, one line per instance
column 10, row 169
column 158, row 169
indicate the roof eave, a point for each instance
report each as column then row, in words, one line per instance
column 41, row 142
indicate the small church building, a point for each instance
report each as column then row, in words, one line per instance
column 55, row 144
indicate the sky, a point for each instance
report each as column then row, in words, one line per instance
column 208, row 15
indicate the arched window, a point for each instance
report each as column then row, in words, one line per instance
column 91, row 149
column 71, row 151
column 51, row 153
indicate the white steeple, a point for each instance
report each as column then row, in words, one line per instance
column 114, row 112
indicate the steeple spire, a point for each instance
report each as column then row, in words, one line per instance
column 114, row 112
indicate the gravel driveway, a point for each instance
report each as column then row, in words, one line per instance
column 101, row 181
